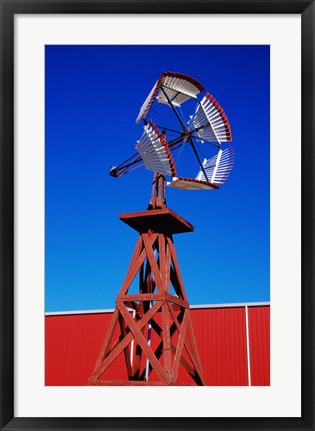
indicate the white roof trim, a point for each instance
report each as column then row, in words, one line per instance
column 64, row 313
column 110, row 310
column 233, row 304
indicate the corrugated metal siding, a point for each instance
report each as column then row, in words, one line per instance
column 259, row 341
column 221, row 339
column 72, row 346
column 73, row 343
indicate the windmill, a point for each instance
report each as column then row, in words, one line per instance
column 152, row 328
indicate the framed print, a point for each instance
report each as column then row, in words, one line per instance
column 169, row 204
column 75, row 76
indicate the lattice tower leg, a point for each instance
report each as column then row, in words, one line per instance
column 152, row 328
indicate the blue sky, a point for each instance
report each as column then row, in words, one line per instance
column 92, row 98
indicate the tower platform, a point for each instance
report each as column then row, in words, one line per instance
column 163, row 221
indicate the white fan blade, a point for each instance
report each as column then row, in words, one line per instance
column 153, row 148
column 177, row 86
column 210, row 121
column 218, row 168
column 191, row 184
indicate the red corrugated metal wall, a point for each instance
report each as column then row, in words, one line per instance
column 221, row 340
column 259, row 339
column 73, row 343
column 72, row 346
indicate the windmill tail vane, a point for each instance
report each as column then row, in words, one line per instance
column 207, row 125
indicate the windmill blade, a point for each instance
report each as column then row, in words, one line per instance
column 145, row 108
column 155, row 152
column 218, row 168
column 210, row 121
column 177, row 88
column 191, row 184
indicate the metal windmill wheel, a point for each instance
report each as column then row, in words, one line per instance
column 207, row 126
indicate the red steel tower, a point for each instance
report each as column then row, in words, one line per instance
column 161, row 305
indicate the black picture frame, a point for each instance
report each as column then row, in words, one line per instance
column 8, row 8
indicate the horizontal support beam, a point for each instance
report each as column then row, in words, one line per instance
column 141, row 297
